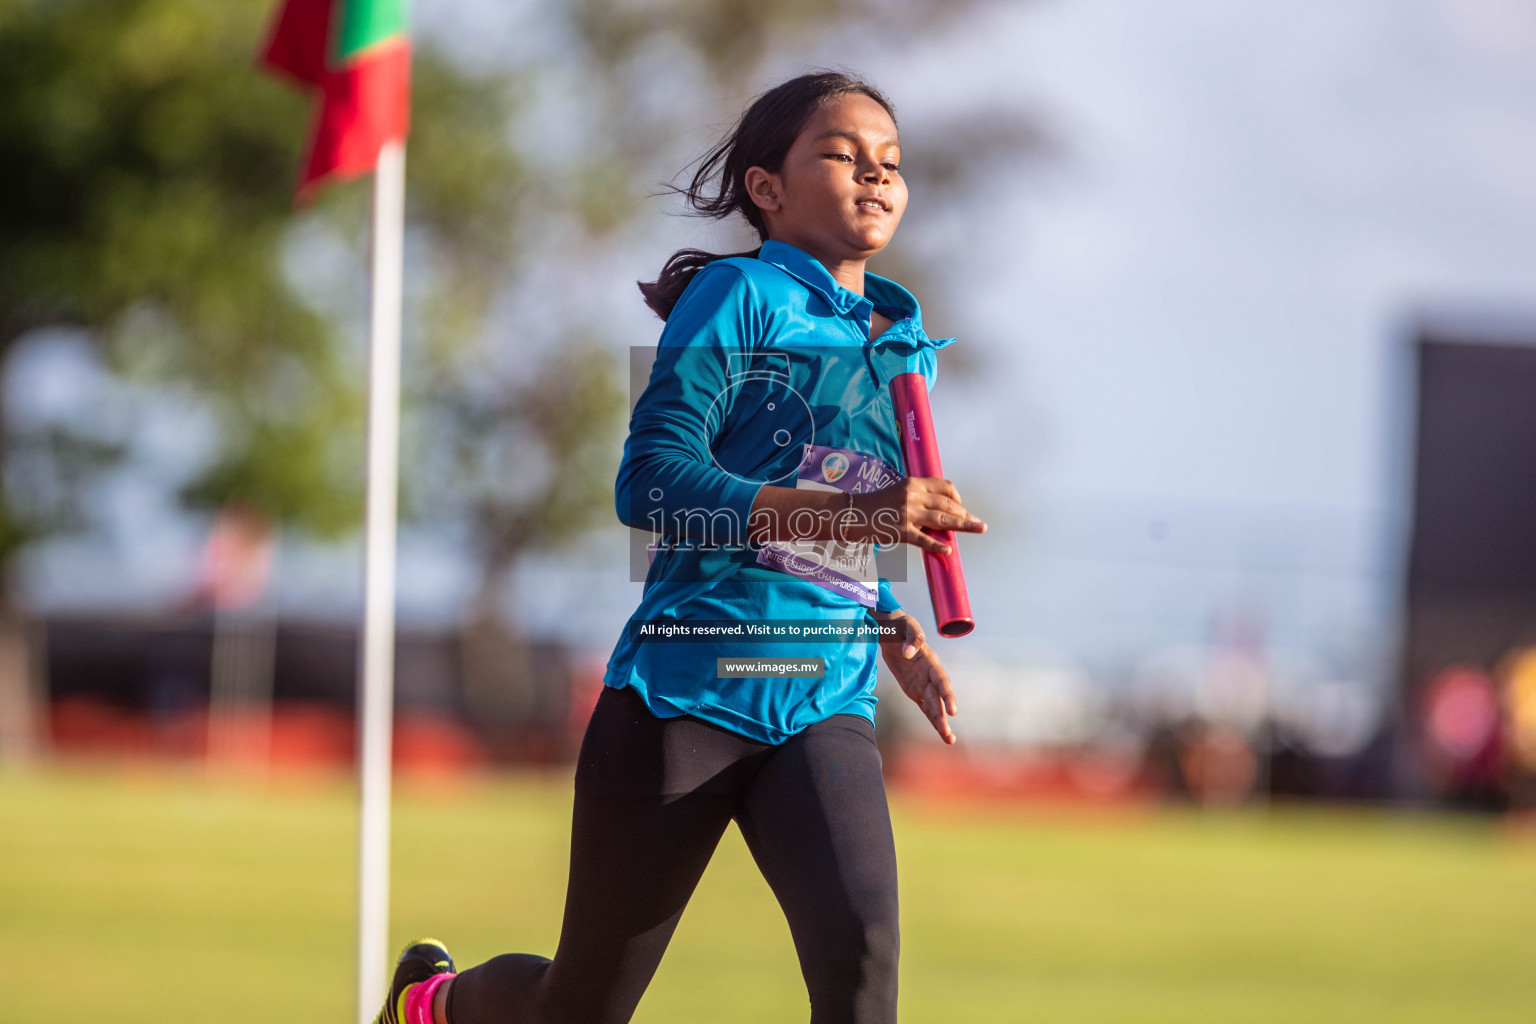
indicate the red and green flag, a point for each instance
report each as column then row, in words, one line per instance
column 356, row 54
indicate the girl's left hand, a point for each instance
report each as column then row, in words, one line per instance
column 917, row 670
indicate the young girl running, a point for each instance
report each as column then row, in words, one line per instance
column 764, row 451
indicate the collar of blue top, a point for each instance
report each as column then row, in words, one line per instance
column 881, row 294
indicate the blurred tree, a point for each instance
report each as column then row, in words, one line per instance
column 146, row 173
column 146, row 177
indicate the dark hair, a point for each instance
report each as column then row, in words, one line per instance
column 761, row 138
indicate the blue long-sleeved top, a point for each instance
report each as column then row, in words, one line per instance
column 759, row 359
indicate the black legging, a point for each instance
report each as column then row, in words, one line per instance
column 653, row 797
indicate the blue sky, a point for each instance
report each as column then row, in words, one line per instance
column 1207, row 297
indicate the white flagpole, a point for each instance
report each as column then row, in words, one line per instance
column 376, row 671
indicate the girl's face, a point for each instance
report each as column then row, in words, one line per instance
column 840, row 194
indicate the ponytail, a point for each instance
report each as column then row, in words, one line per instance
column 761, row 138
column 662, row 294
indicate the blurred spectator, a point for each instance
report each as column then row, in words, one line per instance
column 1460, row 735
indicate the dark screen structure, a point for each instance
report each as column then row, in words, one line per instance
column 1474, row 512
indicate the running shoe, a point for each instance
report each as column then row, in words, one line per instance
column 418, row 962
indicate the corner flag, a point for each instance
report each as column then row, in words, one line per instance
column 357, row 55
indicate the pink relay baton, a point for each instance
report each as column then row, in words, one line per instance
column 920, row 449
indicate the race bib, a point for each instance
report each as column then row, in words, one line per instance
column 846, row 568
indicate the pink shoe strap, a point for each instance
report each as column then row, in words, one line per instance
column 418, row 1000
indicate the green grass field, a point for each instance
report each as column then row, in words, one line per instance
column 123, row 897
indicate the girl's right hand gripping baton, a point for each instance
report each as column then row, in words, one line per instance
column 920, row 449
